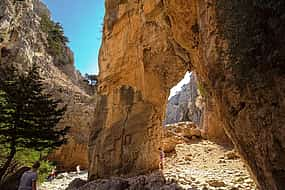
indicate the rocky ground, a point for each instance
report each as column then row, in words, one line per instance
column 62, row 181
column 206, row 165
column 196, row 165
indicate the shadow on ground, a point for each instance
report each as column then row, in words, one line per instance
column 154, row 181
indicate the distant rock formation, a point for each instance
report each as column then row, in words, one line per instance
column 190, row 104
column 40, row 8
column 183, row 105
column 23, row 43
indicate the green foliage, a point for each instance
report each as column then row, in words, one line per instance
column 44, row 170
column 27, row 157
column 5, row 111
column 32, row 114
column 56, row 38
column 201, row 89
column 28, row 117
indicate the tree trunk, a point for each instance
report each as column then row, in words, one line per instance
column 6, row 165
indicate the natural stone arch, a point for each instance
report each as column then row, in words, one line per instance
column 147, row 47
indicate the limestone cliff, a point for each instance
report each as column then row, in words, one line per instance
column 237, row 50
column 212, row 125
column 24, row 42
column 193, row 104
column 185, row 105
column 134, row 81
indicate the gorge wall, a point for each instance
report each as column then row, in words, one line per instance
column 193, row 104
column 186, row 104
column 237, row 50
column 23, row 42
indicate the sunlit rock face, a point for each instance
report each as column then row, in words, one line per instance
column 139, row 63
column 22, row 43
column 237, row 50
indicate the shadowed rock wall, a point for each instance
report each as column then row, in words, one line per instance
column 237, row 50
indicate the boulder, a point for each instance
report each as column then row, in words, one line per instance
column 76, row 183
column 154, row 181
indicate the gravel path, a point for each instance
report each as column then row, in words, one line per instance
column 199, row 165
column 206, row 165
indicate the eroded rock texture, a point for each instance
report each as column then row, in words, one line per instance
column 179, row 133
column 193, row 104
column 237, row 50
column 185, row 105
column 212, row 125
column 136, row 72
column 22, row 43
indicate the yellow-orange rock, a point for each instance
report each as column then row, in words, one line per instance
column 79, row 117
column 134, row 82
column 237, row 51
column 179, row 133
column 212, row 125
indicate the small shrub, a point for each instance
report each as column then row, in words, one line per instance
column 56, row 39
column 201, row 89
column 26, row 157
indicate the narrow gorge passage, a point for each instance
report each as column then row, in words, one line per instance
column 195, row 164
column 236, row 49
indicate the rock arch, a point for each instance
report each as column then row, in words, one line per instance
column 237, row 50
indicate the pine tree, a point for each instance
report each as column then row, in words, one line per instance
column 28, row 116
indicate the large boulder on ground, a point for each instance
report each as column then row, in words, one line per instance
column 76, row 183
column 179, row 133
column 154, row 181
column 170, row 141
column 185, row 129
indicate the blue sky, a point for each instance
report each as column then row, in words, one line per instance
column 82, row 22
